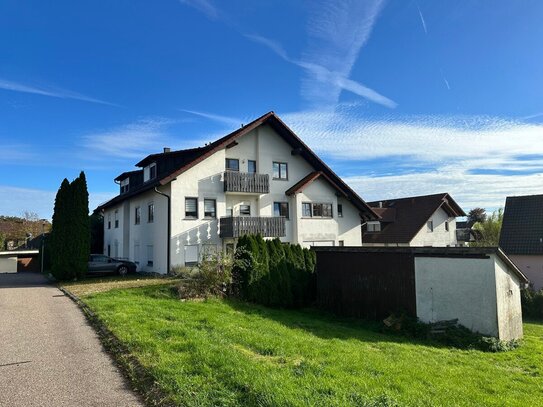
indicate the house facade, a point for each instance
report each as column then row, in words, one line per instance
column 521, row 236
column 259, row 179
column 419, row 221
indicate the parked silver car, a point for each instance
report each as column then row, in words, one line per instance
column 100, row 263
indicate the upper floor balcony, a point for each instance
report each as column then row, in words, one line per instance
column 267, row 226
column 246, row 182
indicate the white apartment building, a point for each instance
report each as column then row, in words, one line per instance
column 259, row 179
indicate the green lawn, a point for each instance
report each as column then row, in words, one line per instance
column 209, row 353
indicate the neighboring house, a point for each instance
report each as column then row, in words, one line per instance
column 522, row 235
column 428, row 220
column 259, row 179
column 465, row 234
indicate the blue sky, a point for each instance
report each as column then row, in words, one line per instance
column 399, row 97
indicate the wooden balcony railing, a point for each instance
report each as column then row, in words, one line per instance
column 235, row 181
column 267, row 226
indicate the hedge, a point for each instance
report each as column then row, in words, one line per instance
column 274, row 273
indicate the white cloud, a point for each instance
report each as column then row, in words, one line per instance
column 49, row 91
column 38, row 200
column 130, row 141
column 226, row 120
column 337, row 32
column 449, row 153
column 204, row 6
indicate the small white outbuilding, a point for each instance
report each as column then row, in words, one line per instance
column 478, row 286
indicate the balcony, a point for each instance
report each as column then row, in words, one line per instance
column 246, row 182
column 267, row 226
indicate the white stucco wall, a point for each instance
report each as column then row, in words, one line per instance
column 508, row 302
column 205, row 180
column 8, row 264
column 440, row 237
column 531, row 267
column 450, row 288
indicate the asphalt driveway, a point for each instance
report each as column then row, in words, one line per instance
column 49, row 355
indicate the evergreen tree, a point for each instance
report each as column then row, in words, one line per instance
column 70, row 237
column 60, row 233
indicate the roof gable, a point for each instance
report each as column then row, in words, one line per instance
column 168, row 169
column 522, row 227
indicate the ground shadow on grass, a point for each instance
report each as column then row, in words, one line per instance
column 329, row 326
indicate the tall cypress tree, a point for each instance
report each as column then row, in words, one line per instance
column 58, row 243
column 70, row 239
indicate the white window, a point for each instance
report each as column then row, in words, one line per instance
column 210, row 208
column 251, row 166
column 191, row 255
column 125, row 187
column 137, row 215
column 150, row 256
column 232, row 164
column 245, row 210
column 306, row 210
column 151, row 213
column 316, row 210
column 374, row 226
column 281, row 209
column 280, row 170
column 430, row 226
column 191, row 208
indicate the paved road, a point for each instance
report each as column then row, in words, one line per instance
column 49, row 355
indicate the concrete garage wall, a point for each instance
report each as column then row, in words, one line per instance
column 8, row 264
column 509, row 307
column 463, row 288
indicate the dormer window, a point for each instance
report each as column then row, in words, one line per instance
column 149, row 172
column 373, row 226
column 125, row 185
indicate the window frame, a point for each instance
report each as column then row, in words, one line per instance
column 116, row 218
column 151, row 212
column 339, row 210
column 109, row 220
column 249, row 167
column 152, row 167
column 375, row 227
column 195, row 216
column 282, row 205
column 430, row 226
column 281, row 177
column 214, row 216
column 240, row 210
column 227, row 160
column 137, row 215
column 307, row 205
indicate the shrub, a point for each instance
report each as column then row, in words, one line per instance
column 532, row 303
column 273, row 273
column 211, row 278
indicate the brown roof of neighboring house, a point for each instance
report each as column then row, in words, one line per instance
column 401, row 219
column 171, row 164
column 522, row 227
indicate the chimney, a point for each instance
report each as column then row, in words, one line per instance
column 380, row 204
column 167, row 149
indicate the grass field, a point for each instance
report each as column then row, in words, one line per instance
column 225, row 353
